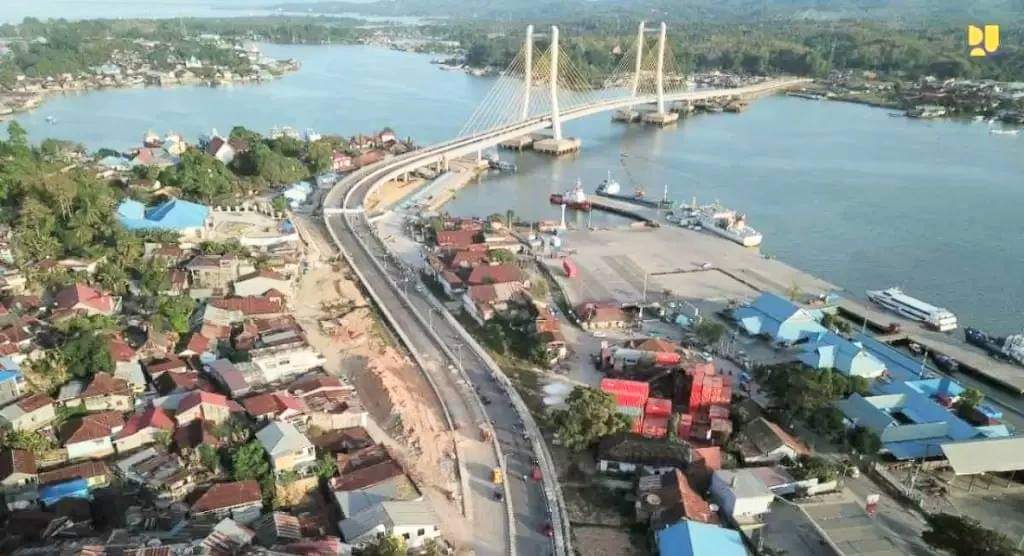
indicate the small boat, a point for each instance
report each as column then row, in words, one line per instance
column 575, row 198
column 1004, row 131
column 51, row 120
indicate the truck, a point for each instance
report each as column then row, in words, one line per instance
column 497, row 477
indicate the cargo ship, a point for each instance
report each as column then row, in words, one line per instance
column 721, row 221
column 612, row 189
column 896, row 301
column 575, row 198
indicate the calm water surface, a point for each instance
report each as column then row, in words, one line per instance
column 843, row 191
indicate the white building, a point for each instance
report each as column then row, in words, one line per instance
column 276, row 363
column 415, row 522
column 741, row 495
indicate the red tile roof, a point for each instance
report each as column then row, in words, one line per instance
column 120, row 350
column 459, row 239
column 92, row 427
column 223, row 496
column 103, row 384
column 197, row 343
column 16, row 461
column 86, row 470
column 249, row 305
column 158, row 366
column 34, row 402
column 368, row 476
column 197, row 397
column 154, row 417
column 494, row 274
column 307, row 385
column 272, row 403
column 76, row 294
column 195, row 433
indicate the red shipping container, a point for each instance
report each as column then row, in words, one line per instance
column 666, row 358
column 629, row 400
column 659, row 407
column 684, row 425
column 655, row 427
column 614, row 385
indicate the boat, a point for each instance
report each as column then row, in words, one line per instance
column 1004, row 131
column 898, row 302
column 575, row 198
column 611, row 189
column 51, row 120
column 721, row 221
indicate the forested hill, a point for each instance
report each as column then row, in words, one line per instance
column 909, row 12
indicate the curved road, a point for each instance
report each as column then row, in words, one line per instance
column 441, row 347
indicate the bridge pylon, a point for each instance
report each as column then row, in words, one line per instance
column 557, row 144
column 661, row 116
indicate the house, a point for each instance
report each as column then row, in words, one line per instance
column 206, row 406
column 257, row 283
column 194, row 434
column 602, row 316
column 28, row 414
column 241, row 500
column 227, row 376
column 741, row 495
column 766, row 442
column 277, row 363
column 484, row 301
column 250, row 305
column 157, row 157
column 169, row 384
column 457, row 239
column 345, row 440
column 277, row 528
column 341, row 162
column 219, row 148
column 91, row 435
column 413, row 521
column 625, row 454
column 216, row 272
column 692, row 538
column 105, row 392
column 228, row 537
column 161, row 472
column 75, row 488
column 96, row 474
column 143, row 429
column 80, row 297
column 12, row 383
column 910, row 425
column 18, row 479
column 778, row 319
column 287, row 448
column 197, row 345
column 395, row 488
column 280, row 406
column 663, row 500
column 176, row 215
column 829, row 350
column 497, row 274
column 172, row 364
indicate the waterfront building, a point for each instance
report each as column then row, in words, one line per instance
column 778, row 319
column 829, row 350
column 692, row 538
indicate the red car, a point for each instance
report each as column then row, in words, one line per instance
column 536, row 473
column 549, row 531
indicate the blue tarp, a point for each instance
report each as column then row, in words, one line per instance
column 75, row 488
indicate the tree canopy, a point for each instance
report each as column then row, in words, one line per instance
column 963, row 536
column 591, row 415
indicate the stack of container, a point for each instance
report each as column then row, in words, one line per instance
column 708, row 390
column 657, row 413
column 630, row 397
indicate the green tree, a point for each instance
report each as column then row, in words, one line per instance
column 386, row 545
column 816, row 467
column 200, row 177
column 86, row 353
column 969, row 400
column 591, row 415
column 275, row 167
column 31, row 441
column 835, row 324
column 963, row 536
column 501, row 256
column 177, row 310
column 326, row 466
column 280, row 203
column 249, row 462
column 233, row 430
column 320, row 156
column 709, row 332
column 865, row 441
column 208, row 457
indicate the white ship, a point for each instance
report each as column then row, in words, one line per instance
column 895, row 300
column 722, row 221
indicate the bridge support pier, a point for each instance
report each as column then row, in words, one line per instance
column 556, row 145
column 662, row 117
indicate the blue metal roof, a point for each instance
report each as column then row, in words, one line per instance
column 783, row 321
column 693, row 538
column 829, row 350
column 75, row 488
column 173, row 214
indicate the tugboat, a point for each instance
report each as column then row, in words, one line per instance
column 575, row 198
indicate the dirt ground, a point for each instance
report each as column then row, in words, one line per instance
column 390, row 387
column 390, row 193
column 595, row 540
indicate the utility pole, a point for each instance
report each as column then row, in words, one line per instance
column 528, row 68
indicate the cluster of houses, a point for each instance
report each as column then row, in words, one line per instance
column 682, row 414
column 122, row 457
column 134, row 66
column 475, row 263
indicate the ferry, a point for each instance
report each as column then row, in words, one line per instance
column 575, row 198
column 898, row 302
column 721, row 221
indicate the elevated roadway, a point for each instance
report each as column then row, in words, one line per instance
column 461, row 373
